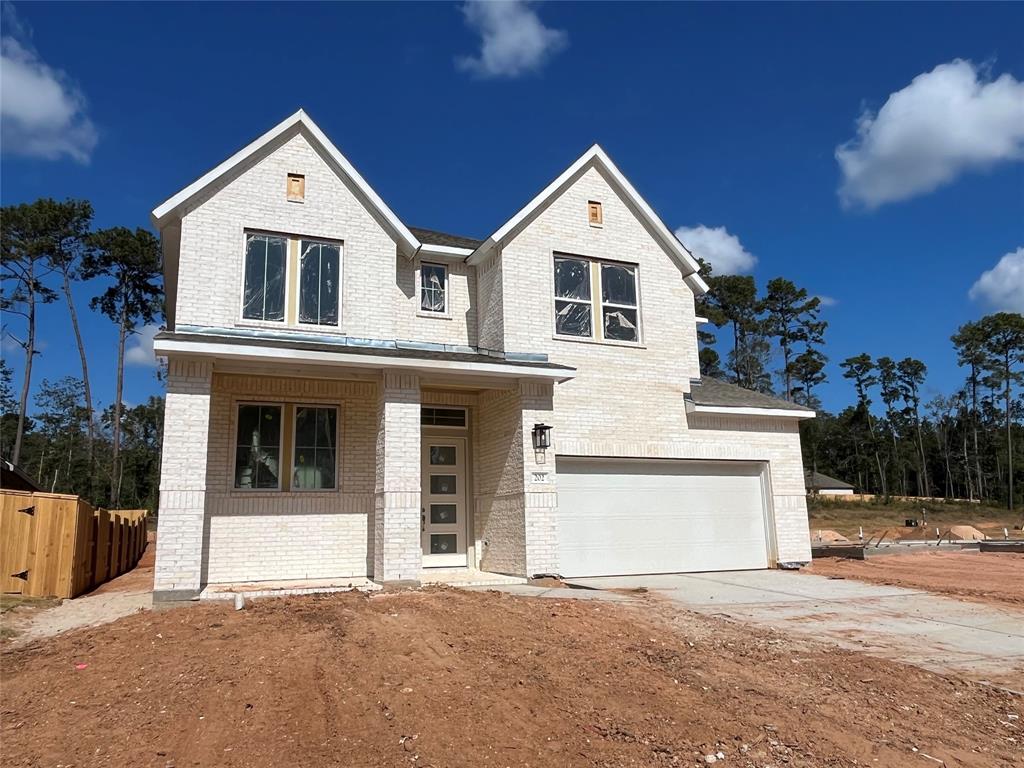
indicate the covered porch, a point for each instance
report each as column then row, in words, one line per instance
column 328, row 466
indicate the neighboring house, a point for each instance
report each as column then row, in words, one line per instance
column 823, row 485
column 12, row 478
column 351, row 397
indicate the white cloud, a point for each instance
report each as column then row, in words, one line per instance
column 946, row 122
column 139, row 349
column 718, row 247
column 1002, row 287
column 42, row 112
column 514, row 41
column 827, row 301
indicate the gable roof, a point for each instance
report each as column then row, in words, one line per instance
column 300, row 121
column 712, row 395
column 596, row 157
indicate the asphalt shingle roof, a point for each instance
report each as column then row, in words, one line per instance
column 712, row 391
column 817, row 480
column 433, row 237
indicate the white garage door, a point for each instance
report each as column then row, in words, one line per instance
column 623, row 516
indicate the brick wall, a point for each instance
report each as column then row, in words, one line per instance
column 500, row 522
column 397, row 550
column 458, row 326
column 274, row 535
column 619, row 389
column 490, row 304
column 629, row 400
column 183, row 477
column 514, row 490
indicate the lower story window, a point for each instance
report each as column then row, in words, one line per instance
column 314, row 462
column 283, row 447
column 258, row 447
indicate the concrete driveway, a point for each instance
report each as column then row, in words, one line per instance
column 977, row 641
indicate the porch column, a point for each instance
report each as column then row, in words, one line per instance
column 179, row 543
column 540, row 497
column 397, row 552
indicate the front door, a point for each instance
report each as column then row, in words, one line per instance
column 443, row 517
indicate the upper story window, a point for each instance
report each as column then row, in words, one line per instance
column 619, row 313
column 319, row 268
column 434, row 288
column 265, row 266
column 591, row 293
column 573, row 308
column 291, row 280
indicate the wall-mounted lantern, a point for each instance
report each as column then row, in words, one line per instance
column 541, row 437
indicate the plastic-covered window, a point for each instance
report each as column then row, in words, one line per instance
column 315, row 461
column 572, row 297
column 258, row 446
column 433, row 281
column 265, row 260
column 319, row 282
column 618, row 303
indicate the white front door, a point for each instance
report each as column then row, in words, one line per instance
column 443, row 517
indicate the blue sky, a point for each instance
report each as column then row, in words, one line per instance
column 727, row 118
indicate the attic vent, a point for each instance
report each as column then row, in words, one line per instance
column 594, row 214
column 296, row 187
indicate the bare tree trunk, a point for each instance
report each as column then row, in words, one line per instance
column 115, row 467
column 785, row 372
column 967, row 467
column 1009, row 437
column 974, row 425
column 924, row 468
column 30, row 351
column 85, row 376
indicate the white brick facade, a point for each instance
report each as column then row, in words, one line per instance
column 625, row 400
column 397, row 554
column 183, row 474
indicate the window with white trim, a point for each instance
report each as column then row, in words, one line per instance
column 314, row 458
column 434, row 288
column 258, row 447
column 573, row 308
column 620, row 317
column 266, row 259
column 319, row 282
column 596, row 299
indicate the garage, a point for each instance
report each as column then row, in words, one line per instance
column 629, row 516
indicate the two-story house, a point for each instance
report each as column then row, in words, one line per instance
column 350, row 397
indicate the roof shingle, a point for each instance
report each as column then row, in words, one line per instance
column 712, row 391
column 433, row 237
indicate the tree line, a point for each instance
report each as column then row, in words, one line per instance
column 48, row 250
column 887, row 442
column 963, row 445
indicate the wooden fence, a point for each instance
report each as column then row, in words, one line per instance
column 54, row 545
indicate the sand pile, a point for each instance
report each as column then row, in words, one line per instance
column 966, row 533
column 826, row 536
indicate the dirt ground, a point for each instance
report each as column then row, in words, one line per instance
column 454, row 678
column 996, row 578
column 34, row 618
column 849, row 517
